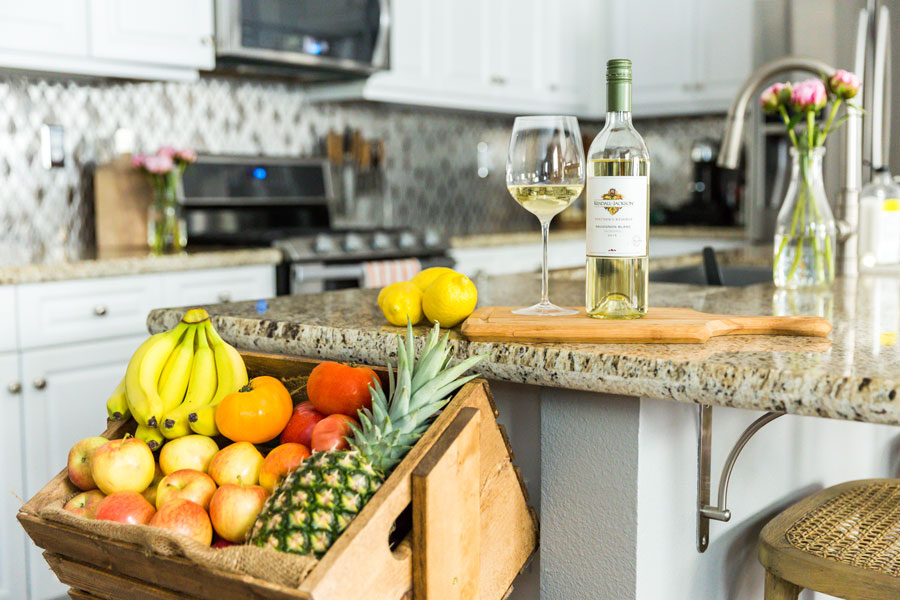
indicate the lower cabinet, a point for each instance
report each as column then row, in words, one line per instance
column 13, row 542
column 63, row 392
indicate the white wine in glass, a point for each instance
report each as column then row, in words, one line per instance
column 545, row 174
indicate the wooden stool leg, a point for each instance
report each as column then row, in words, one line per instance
column 780, row 589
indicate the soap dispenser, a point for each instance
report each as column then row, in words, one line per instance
column 879, row 220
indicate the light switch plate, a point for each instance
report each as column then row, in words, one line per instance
column 53, row 151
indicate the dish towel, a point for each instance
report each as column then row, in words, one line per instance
column 379, row 273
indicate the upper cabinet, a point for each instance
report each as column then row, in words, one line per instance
column 689, row 56
column 166, row 39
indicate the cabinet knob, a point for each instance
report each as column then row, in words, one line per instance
column 497, row 80
column 100, row 310
column 224, row 297
column 553, row 87
column 39, row 383
column 206, row 40
column 14, row 388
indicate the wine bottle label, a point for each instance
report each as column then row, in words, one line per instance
column 617, row 216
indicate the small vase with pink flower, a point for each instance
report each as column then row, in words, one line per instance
column 166, row 229
column 805, row 230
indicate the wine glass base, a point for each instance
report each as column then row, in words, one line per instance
column 544, row 309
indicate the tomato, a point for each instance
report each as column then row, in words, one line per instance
column 340, row 388
column 329, row 434
column 299, row 429
column 256, row 413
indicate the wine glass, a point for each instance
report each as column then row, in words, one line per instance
column 545, row 174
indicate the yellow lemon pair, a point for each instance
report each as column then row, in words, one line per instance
column 442, row 294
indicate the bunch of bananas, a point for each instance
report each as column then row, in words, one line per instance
column 175, row 380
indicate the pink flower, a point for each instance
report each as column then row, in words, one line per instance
column 808, row 95
column 158, row 165
column 168, row 151
column 137, row 161
column 186, row 155
column 844, row 84
column 774, row 96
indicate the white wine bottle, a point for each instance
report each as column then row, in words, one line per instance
column 617, row 202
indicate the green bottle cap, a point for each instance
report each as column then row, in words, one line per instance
column 618, row 85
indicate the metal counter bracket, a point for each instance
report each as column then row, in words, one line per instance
column 720, row 512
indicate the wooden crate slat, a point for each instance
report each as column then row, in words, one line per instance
column 107, row 585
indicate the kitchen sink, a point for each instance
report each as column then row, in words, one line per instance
column 732, row 275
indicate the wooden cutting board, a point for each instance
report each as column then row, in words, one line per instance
column 659, row 326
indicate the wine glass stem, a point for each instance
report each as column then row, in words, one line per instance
column 545, row 275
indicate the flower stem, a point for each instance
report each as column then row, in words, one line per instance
column 787, row 122
column 834, row 108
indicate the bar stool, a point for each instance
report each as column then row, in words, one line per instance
column 843, row 541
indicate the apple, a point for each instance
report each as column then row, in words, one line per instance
column 300, row 427
column 185, row 517
column 238, row 463
column 281, row 460
column 150, row 492
column 188, row 452
column 186, row 484
column 80, row 462
column 124, row 465
column 125, row 507
column 331, row 433
column 220, row 542
column 234, row 508
column 85, row 504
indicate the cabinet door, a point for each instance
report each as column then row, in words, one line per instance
column 657, row 35
column 568, row 59
column 724, row 49
column 511, row 27
column 219, row 285
column 166, row 32
column 44, row 26
column 463, row 47
column 13, row 541
column 64, row 392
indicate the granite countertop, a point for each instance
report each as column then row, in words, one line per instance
column 853, row 375
column 136, row 261
column 488, row 240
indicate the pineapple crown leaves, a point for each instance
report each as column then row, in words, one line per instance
column 420, row 389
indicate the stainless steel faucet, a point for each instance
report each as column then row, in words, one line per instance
column 848, row 201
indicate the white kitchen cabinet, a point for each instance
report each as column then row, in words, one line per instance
column 64, row 391
column 219, row 285
column 167, row 39
column 165, row 32
column 8, row 334
column 13, row 542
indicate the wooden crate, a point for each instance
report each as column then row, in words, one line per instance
column 471, row 532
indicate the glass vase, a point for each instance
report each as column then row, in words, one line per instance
column 166, row 228
column 805, row 231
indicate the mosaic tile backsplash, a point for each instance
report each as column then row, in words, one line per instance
column 430, row 165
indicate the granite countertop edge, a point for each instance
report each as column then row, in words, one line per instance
column 693, row 381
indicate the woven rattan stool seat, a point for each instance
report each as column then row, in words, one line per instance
column 843, row 541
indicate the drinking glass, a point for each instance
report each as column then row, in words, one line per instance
column 545, row 174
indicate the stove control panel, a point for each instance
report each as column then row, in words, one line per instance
column 364, row 245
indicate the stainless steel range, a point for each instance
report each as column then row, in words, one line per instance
column 286, row 203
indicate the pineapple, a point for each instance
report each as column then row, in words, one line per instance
column 317, row 501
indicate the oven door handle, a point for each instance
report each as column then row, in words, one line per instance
column 320, row 272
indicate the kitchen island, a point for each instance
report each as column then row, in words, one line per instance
column 611, row 464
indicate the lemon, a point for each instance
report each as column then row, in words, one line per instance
column 401, row 301
column 389, row 288
column 449, row 299
column 425, row 278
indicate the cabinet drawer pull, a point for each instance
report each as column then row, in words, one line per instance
column 39, row 383
column 14, row 388
column 224, row 296
column 497, row 80
column 100, row 310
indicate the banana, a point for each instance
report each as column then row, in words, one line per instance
column 173, row 382
column 142, row 375
column 150, row 436
column 200, row 391
column 117, row 405
column 232, row 376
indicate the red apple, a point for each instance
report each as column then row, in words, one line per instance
column 331, row 433
column 303, row 420
column 238, row 463
column 80, row 462
column 186, row 484
column 188, row 452
column 85, row 504
column 150, row 492
column 281, row 461
column 124, row 465
column 125, row 507
column 184, row 517
column 221, row 542
column 234, row 508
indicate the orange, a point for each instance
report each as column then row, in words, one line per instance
column 256, row 413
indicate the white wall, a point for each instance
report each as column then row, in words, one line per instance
column 787, row 460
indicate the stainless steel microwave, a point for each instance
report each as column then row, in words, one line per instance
column 312, row 40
